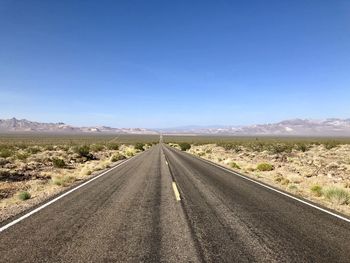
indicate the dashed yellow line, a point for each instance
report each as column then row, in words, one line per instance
column 176, row 192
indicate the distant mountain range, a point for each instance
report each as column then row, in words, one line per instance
column 295, row 127
column 15, row 125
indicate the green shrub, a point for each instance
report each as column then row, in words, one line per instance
column 129, row 153
column 34, row 150
column 49, row 148
column 22, row 156
column 277, row 148
column 316, row 190
column 139, row 146
column 113, row 146
column 117, row 157
column 58, row 163
column 234, row 165
column 337, row 195
column 97, row 148
column 22, row 146
column 4, row 153
column 83, row 151
column 184, row 146
column 24, row 195
column 263, row 167
column 330, row 144
column 257, row 146
column 302, row 147
column 230, row 146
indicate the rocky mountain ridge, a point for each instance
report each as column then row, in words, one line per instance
column 294, row 127
column 23, row 125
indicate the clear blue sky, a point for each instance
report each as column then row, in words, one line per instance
column 172, row 63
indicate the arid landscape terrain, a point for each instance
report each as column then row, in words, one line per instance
column 174, row 131
column 315, row 169
column 34, row 168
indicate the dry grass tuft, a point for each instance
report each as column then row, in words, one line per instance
column 64, row 180
column 337, row 195
column 235, row 165
column 263, row 167
column 24, row 195
column 316, row 190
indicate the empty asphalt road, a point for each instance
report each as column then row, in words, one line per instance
column 131, row 214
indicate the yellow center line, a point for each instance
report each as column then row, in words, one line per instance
column 176, row 192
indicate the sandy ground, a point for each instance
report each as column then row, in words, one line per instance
column 38, row 176
column 296, row 172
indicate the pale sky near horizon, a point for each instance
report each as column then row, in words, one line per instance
column 166, row 63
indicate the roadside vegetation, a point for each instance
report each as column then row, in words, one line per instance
column 235, row 165
column 24, row 195
column 33, row 168
column 58, row 163
column 263, row 167
column 184, row 146
column 139, row 146
column 314, row 168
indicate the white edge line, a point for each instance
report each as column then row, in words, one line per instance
column 176, row 192
column 280, row 192
column 59, row 197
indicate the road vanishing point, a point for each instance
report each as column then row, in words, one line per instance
column 165, row 205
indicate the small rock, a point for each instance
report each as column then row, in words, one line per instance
column 330, row 175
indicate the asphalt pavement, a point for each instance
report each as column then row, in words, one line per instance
column 132, row 214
